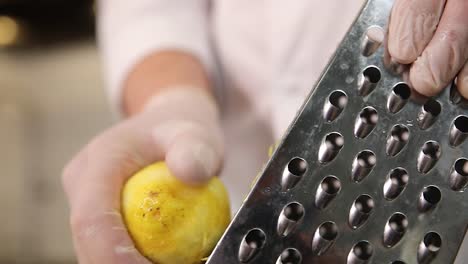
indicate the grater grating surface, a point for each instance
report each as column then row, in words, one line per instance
column 365, row 174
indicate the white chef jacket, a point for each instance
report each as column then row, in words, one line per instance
column 264, row 55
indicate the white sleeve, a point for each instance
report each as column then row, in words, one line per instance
column 130, row 30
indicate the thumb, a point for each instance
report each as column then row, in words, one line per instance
column 193, row 152
column 193, row 160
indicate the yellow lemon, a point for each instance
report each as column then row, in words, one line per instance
column 171, row 222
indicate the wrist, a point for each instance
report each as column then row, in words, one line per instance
column 160, row 73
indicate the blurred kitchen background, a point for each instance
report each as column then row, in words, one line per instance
column 51, row 102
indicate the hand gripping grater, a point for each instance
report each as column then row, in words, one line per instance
column 368, row 172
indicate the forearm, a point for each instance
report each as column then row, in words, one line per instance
column 161, row 71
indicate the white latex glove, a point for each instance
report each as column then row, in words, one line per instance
column 179, row 126
column 433, row 36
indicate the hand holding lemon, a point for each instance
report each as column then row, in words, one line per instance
column 116, row 218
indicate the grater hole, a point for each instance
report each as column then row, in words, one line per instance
column 400, row 132
column 364, row 204
column 294, row 211
column 429, row 155
column 330, row 147
column 367, row 159
column 458, row 131
column 372, row 73
column 328, row 231
column 461, row 167
column 429, row 198
column 395, row 184
column 372, row 40
column 461, row 123
column 432, row 149
column 363, row 250
column 363, row 165
column 255, row 238
column 253, row 241
column 368, row 80
column 297, row 166
column 398, row 222
column 293, row 172
column 400, row 94
column 429, row 247
column 360, row 211
column 402, row 90
column 399, row 136
column 432, row 194
column 369, row 115
column 338, row 99
column 433, row 107
column 459, row 176
column 366, row 122
column 327, row 191
column 395, row 229
column 429, row 112
column 335, row 104
column 324, row 237
column 336, row 141
column 289, row 218
column 331, row 185
column 360, row 253
column 432, row 241
column 290, row 256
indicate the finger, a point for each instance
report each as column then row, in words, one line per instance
column 98, row 230
column 81, row 255
column 102, row 238
column 74, row 167
column 412, row 26
column 462, row 81
column 125, row 149
column 195, row 160
column 446, row 53
column 194, row 152
column 97, row 226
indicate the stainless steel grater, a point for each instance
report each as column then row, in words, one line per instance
column 368, row 172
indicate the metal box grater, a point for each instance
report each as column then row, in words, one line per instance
column 369, row 172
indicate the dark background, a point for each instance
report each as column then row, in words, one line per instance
column 45, row 22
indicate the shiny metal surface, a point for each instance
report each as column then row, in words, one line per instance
column 252, row 242
column 425, row 227
column 324, row 237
